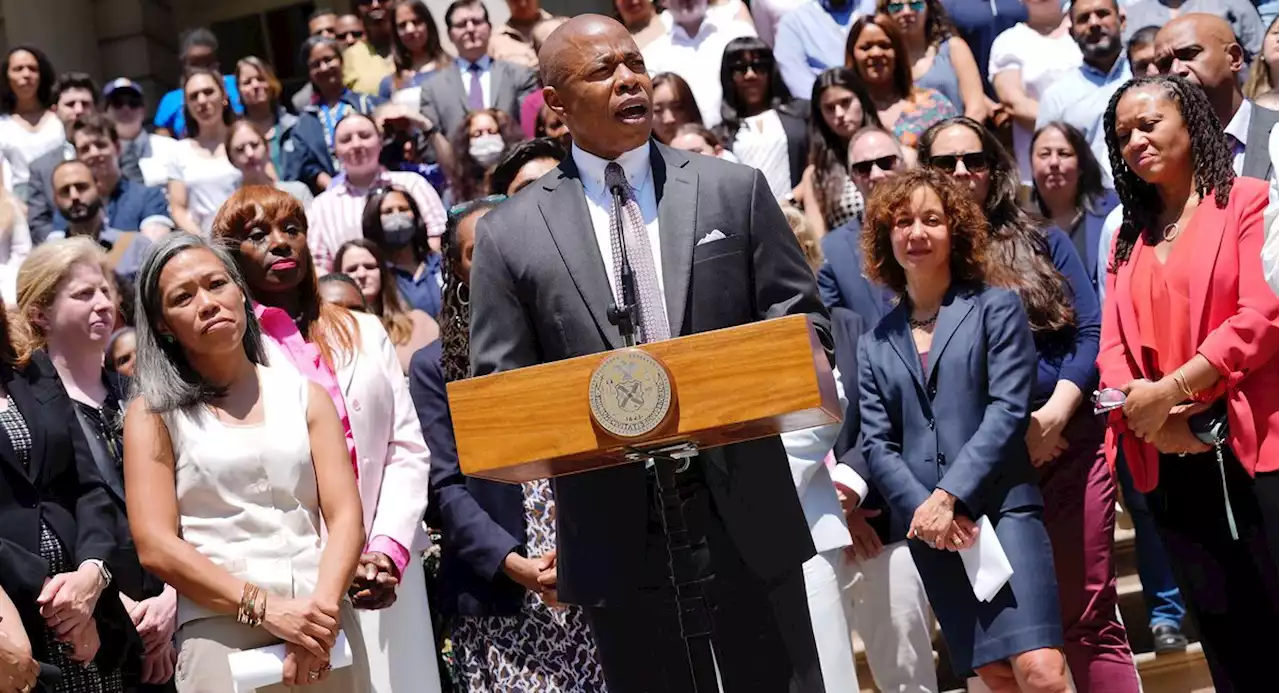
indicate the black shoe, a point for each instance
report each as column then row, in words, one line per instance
column 1168, row 638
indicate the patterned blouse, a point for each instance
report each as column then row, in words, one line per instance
column 926, row 108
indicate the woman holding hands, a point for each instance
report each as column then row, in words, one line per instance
column 945, row 382
column 231, row 465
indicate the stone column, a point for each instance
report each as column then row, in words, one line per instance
column 63, row 29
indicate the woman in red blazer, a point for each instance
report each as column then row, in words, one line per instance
column 1190, row 327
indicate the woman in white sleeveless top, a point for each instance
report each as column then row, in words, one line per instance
column 231, row 467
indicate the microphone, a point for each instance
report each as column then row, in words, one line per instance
column 623, row 315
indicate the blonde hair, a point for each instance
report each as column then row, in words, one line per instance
column 39, row 280
column 804, row 235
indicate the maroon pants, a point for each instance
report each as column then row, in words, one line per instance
column 1080, row 514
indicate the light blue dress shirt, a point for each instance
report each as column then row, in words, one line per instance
column 1080, row 98
column 811, row 39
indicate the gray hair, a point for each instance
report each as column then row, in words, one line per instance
column 162, row 376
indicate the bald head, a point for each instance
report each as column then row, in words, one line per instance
column 594, row 79
column 1202, row 49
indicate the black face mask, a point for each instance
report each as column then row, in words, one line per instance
column 80, row 212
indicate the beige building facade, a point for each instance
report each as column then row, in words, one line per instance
column 139, row 38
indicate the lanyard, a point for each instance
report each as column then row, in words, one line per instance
column 330, row 117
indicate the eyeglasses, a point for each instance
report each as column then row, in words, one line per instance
column 356, row 34
column 759, row 66
column 1107, row 399
column 462, row 207
column 974, row 162
column 896, row 7
column 884, row 163
column 469, row 21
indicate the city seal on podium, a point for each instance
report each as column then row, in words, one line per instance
column 630, row 393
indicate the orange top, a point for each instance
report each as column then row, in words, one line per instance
column 1162, row 301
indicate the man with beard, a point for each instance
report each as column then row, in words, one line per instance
column 365, row 63
column 709, row 248
column 1202, row 49
column 76, row 194
column 811, row 38
column 1080, row 97
column 130, row 206
column 74, row 95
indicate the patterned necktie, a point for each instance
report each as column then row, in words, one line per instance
column 130, row 166
column 475, row 95
column 652, row 325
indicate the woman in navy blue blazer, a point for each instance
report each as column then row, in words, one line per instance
column 945, row 394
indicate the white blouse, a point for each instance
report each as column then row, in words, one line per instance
column 762, row 143
column 210, row 180
column 247, row 495
column 20, row 146
column 1042, row 61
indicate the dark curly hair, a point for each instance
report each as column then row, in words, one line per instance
column 966, row 224
column 1019, row 252
column 1210, row 162
column 44, row 89
column 455, row 311
column 467, row 178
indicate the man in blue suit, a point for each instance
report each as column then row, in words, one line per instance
column 874, row 156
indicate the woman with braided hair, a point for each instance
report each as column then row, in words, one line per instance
column 1189, row 336
column 506, row 636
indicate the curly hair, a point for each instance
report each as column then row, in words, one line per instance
column 966, row 225
column 455, row 310
column 1018, row 255
column 1210, row 162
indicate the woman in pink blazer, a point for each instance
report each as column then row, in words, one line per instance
column 1189, row 334
column 351, row 356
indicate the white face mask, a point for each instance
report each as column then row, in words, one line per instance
column 486, row 149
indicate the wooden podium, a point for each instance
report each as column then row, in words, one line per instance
column 721, row 387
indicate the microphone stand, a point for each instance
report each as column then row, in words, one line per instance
column 693, row 615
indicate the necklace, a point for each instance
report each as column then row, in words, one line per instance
column 923, row 324
column 1170, row 232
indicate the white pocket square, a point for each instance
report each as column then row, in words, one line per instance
column 715, row 235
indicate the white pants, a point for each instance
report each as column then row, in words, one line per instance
column 891, row 613
column 829, row 611
column 399, row 639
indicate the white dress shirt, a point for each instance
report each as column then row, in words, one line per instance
column 696, row 59
column 1271, row 231
column 486, row 78
column 636, row 165
column 1238, row 130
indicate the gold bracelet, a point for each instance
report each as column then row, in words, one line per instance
column 1180, row 379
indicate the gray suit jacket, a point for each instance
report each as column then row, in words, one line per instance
column 539, row 293
column 444, row 100
column 1257, row 157
column 41, row 208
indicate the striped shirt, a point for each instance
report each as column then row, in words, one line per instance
column 336, row 214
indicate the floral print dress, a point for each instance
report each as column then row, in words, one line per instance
column 922, row 110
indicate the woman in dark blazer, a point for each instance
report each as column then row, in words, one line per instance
column 498, row 547
column 945, row 387
column 56, row 530
column 761, row 123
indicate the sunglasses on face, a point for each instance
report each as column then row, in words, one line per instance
column 913, row 5
column 760, row 66
column 884, row 163
column 974, row 162
column 356, row 34
column 125, row 102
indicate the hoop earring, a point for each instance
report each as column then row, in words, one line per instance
column 463, row 300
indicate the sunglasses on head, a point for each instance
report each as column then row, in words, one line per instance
column 884, row 163
column 973, row 161
column 914, row 5
column 759, row 65
column 464, row 206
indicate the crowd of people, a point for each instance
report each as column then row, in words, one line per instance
column 1044, row 232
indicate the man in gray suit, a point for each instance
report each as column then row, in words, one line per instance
column 473, row 81
column 709, row 248
column 74, row 94
column 1202, row 49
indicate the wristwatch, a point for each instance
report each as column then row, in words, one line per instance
column 103, row 572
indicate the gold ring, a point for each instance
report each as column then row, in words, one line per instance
column 313, row 674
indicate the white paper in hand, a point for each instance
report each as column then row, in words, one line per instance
column 253, row 669
column 986, row 563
